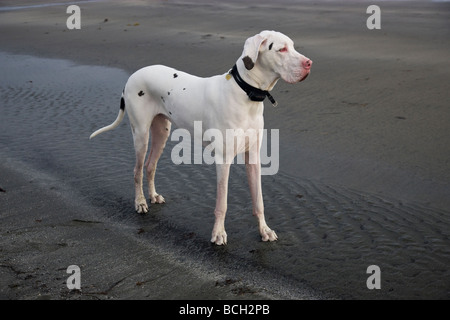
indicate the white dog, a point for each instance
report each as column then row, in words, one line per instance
column 156, row 96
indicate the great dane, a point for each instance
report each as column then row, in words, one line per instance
column 156, row 96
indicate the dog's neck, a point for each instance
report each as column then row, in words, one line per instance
column 256, row 77
column 254, row 93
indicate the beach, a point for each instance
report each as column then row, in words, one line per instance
column 364, row 155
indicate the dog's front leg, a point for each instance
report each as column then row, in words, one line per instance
column 219, row 236
column 254, row 182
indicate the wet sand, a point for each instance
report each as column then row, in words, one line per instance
column 364, row 157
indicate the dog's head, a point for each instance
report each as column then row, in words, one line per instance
column 275, row 51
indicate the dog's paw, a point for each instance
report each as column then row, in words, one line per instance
column 268, row 234
column 157, row 198
column 141, row 205
column 219, row 238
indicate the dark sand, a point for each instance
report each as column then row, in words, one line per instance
column 364, row 155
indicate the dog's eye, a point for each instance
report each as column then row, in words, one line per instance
column 283, row 49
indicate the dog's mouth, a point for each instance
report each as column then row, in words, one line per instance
column 296, row 78
column 299, row 77
column 304, row 77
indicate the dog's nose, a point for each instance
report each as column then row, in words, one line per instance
column 307, row 64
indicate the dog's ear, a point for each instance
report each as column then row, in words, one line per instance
column 251, row 50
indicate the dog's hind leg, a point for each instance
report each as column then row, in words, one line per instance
column 160, row 131
column 140, row 138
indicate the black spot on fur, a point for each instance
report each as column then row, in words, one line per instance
column 168, row 93
column 175, row 75
column 184, row 88
column 270, row 46
column 122, row 104
column 141, row 93
column 248, row 62
column 162, row 98
column 170, row 112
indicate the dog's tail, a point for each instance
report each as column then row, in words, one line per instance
column 115, row 123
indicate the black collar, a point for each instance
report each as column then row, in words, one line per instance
column 253, row 93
